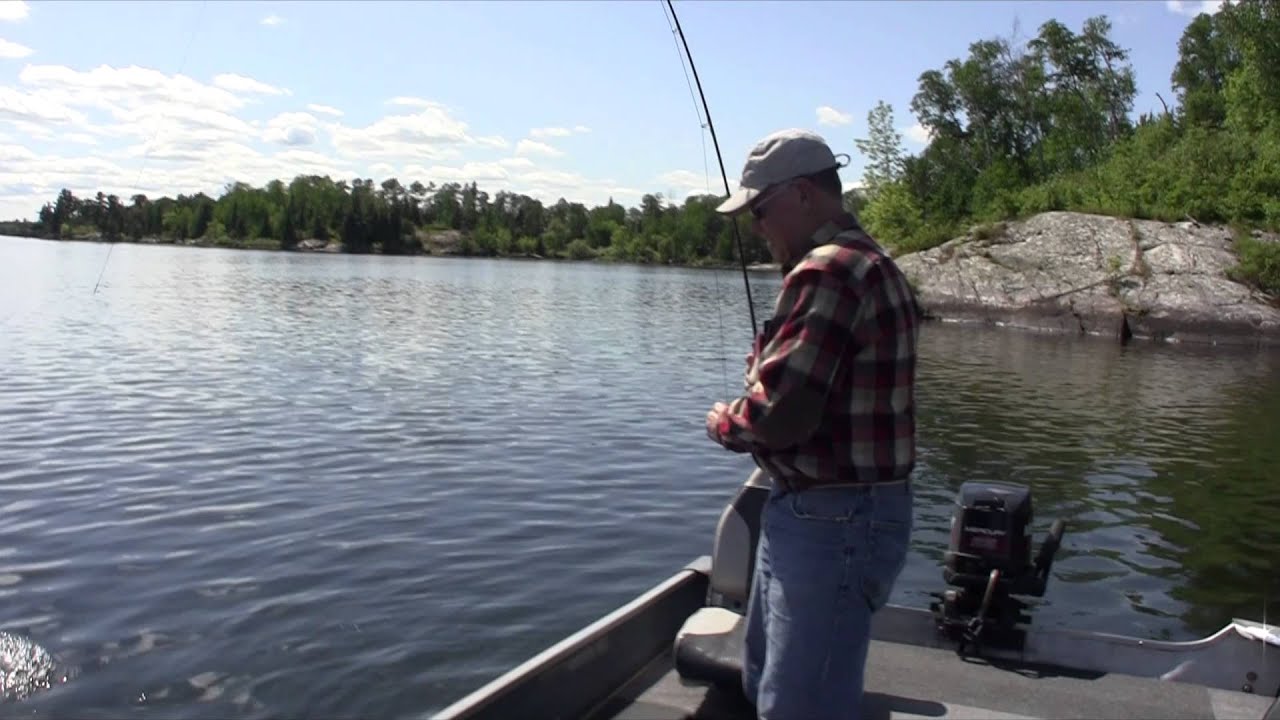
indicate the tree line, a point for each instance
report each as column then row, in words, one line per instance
column 392, row 218
column 1015, row 128
column 1021, row 128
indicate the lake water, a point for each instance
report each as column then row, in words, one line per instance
column 250, row 484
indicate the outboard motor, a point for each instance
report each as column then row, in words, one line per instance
column 989, row 562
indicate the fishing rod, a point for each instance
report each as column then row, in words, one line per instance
column 146, row 148
column 751, row 308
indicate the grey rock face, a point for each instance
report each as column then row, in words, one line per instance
column 1077, row 273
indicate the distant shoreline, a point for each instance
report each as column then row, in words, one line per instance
column 312, row 246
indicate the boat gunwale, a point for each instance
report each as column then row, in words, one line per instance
column 570, row 648
column 1083, row 651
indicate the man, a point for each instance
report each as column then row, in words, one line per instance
column 829, row 414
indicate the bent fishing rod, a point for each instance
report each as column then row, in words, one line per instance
column 737, row 236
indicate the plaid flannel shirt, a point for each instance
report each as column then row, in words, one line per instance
column 830, row 393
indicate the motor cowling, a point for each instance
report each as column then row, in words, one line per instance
column 988, row 562
column 990, row 530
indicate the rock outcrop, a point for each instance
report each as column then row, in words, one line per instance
column 441, row 242
column 318, row 245
column 1077, row 273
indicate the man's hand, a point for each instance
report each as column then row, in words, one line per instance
column 713, row 420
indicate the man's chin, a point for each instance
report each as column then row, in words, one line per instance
column 783, row 260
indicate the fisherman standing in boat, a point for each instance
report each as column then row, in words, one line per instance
column 829, row 414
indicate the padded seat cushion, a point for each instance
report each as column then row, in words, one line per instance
column 709, row 648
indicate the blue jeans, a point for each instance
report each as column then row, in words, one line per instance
column 828, row 558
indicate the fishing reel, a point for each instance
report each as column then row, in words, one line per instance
column 989, row 564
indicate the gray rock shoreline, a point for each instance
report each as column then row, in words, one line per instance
column 1092, row 274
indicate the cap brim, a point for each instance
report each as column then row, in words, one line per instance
column 737, row 202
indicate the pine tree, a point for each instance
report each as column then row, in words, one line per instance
column 883, row 150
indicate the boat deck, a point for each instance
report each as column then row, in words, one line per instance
column 905, row 681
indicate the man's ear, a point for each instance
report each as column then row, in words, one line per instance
column 811, row 193
column 805, row 189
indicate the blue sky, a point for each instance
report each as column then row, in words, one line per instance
column 583, row 100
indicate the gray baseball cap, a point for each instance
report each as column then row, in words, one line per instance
column 779, row 157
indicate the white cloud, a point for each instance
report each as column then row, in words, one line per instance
column 533, row 147
column 291, row 128
column 33, row 129
column 415, row 102
column 14, row 10
column 488, row 176
column 129, row 129
column 11, row 153
column 207, row 150
column 828, row 115
column 917, row 134
column 107, row 87
column 1192, row 8
column 431, row 134
column 240, row 83
column 685, row 182
column 22, row 173
column 36, row 108
column 17, row 203
column 552, row 179
column 548, row 132
column 12, row 50
column 272, row 20
column 174, row 118
column 167, row 134
column 325, row 110
column 494, row 141
column 548, row 186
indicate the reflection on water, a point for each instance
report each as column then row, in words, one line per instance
column 261, row 484
column 1160, row 459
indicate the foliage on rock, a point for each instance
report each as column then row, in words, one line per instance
column 1023, row 128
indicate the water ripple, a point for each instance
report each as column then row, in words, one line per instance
column 244, row 484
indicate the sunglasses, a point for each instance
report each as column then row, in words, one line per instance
column 757, row 208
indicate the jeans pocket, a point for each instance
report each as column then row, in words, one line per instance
column 818, row 505
column 888, row 540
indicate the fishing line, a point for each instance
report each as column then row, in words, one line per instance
column 706, row 173
column 146, row 148
column 111, row 244
column 719, row 157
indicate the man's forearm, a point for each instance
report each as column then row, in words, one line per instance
column 754, row 422
column 791, row 377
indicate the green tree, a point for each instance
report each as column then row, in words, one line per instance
column 1014, row 127
column 882, row 148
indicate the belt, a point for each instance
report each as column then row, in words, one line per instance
column 802, row 484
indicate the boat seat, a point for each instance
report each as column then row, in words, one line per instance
column 708, row 647
column 733, row 554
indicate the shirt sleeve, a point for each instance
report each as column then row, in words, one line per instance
column 796, row 368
